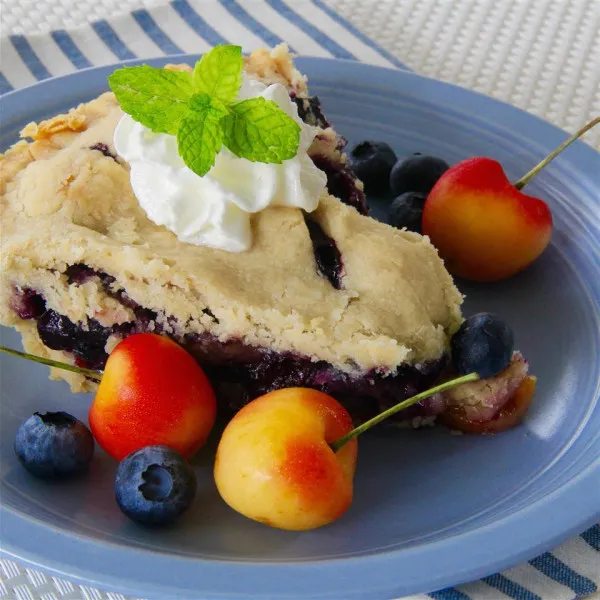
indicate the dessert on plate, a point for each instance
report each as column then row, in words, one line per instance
column 299, row 289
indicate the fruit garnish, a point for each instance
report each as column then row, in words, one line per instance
column 483, row 226
column 510, row 415
column 154, row 485
column 152, row 393
column 54, row 445
column 202, row 110
column 287, row 459
column 417, row 173
column 407, row 210
column 484, row 344
column 274, row 463
column 372, row 162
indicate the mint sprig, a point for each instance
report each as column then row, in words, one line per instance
column 202, row 111
column 257, row 129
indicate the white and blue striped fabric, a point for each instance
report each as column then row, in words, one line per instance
column 187, row 27
column 312, row 28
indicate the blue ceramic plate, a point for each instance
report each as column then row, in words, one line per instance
column 431, row 509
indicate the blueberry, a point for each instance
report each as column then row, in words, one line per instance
column 406, row 211
column 483, row 344
column 416, row 173
column 54, row 445
column 154, row 485
column 372, row 163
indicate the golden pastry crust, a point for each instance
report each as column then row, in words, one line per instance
column 64, row 203
column 46, row 129
column 268, row 66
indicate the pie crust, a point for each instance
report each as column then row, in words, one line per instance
column 75, row 238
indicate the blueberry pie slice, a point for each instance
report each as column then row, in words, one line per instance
column 330, row 299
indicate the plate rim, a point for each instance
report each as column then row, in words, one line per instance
column 578, row 488
column 306, row 59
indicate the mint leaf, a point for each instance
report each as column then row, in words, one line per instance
column 219, row 73
column 156, row 98
column 258, row 130
column 200, row 134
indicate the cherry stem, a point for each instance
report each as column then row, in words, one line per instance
column 528, row 176
column 89, row 373
column 442, row 387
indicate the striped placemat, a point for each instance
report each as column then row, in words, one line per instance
column 310, row 27
column 186, row 27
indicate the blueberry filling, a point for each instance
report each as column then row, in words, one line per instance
column 79, row 274
column 102, row 147
column 60, row 333
column 87, row 343
column 327, row 254
column 28, row 304
column 341, row 183
column 309, row 110
column 341, row 180
column 238, row 371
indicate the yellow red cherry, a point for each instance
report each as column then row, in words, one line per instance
column 274, row 463
column 484, row 227
column 152, row 393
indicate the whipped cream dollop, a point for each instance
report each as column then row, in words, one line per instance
column 215, row 210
